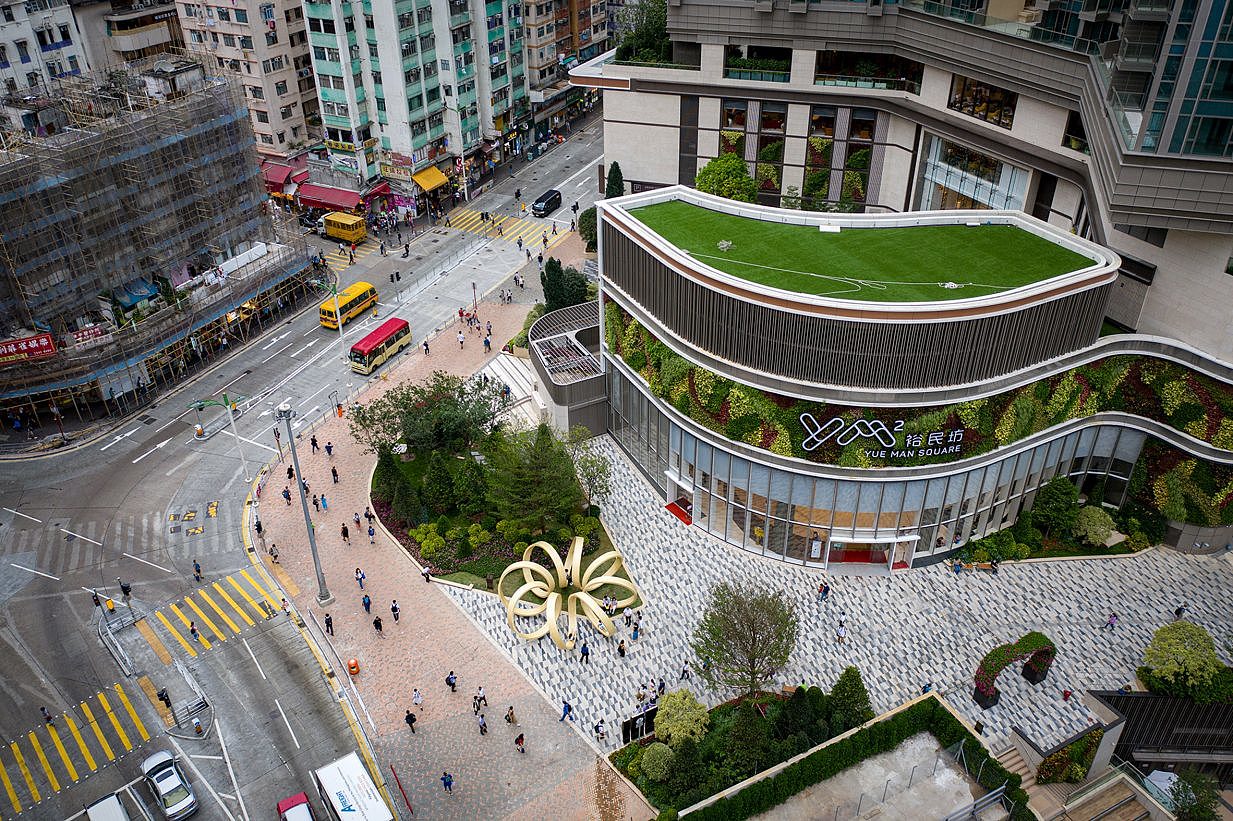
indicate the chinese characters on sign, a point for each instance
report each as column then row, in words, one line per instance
column 935, row 443
column 30, row 347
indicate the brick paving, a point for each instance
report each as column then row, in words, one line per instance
column 560, row 775
column 925, row 625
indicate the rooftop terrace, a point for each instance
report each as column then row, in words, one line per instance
column 916, row 263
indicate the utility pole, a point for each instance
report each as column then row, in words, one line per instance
column 286, row 414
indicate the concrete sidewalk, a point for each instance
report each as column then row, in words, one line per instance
column 560, row 775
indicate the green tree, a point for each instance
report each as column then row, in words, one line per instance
column 588, row 228
column 749, row 740
column 552, row 279
column 574, row 287
column 387, row 476
column 850, row 699
column 1025, row 531
column 1093, row 525
column 531, row 480
column 615, row 184
column 646, row 25
column 656, row 761
column 438, row 490
column 406, row 505
column 680, row 716
column 1183, row 656
column 1056, row 506
column 1195, row 796
column 748, row 632
column 593, row 467
column 470, row 487
column 727, row 176
column 444, row 412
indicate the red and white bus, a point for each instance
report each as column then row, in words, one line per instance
column 388, row 339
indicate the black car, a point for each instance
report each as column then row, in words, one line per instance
column 548, row 202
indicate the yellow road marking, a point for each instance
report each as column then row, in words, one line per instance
column 98, row 732
column 171, row 628
column 218, row 587
column 8, row 788
column 141, row 728
column 115, row 722
column 244, row 593
column 222, row 615
column 147, row 687
column 201, row 615
column 38, row 749
column 274, row 602
column 25, row 771
column 68, row 765
column 187, row 622
column 152, row 639
column 81, row 742
column 285, row 580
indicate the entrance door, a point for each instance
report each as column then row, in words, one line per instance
column 859, row 553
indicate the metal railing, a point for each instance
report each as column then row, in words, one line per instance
column 758, row 76
column 852, row 81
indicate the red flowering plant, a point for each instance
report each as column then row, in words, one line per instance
column 1036, row 647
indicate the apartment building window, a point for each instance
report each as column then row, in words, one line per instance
column 8, row 14
column 261, row 116
column 64, row 33
column 280, row 88
column 428, row 42
column 276, row 64
column 196, row 37
column 985, row 102
column 415, row 103
column 774, row 117
column 418, row 129
column 376, row 78
column 4, row 53
column 223, row 14
column 329, row 55
column 256, row 92
column 321, row 26
column 241, row 16
column 372, row 50
column 864, row 121
column 335, row 109
column 1226, row 25
column 285, row 112
column 23, row 51
column 433, row 94
column 735, row 112
column 246, row 42
column 267, row 11
column 406, row 20
column 330, row 81
column 34, row 79
column 229, row 40
column 266, row 139
column 271, row 38
column 1218, row 85
column 411, row 75
column 380, row 105
column 1152, row 236
column 822, row 121
column 296, row 13
column 1210, row 136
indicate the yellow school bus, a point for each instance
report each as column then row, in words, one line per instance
column 352, row 301
column 343, row 227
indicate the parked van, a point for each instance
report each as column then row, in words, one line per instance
column 343, row 227
column 107, row 808
column 348, row 792
column 548, row 202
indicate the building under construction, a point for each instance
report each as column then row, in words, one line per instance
column 134, row 239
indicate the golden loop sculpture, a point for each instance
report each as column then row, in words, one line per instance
column 550, row 584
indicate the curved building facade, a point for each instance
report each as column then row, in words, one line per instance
column 816, row 388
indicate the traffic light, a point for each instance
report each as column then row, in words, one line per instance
column 126, row 589
column 517, row 194
column 163, row 697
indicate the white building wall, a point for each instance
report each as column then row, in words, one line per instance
column 63, row 53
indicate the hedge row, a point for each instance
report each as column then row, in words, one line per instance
column 926, row 715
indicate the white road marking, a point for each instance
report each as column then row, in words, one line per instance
column 276, row 353
column 265, row 412
column 119, row 437
column 275, row 341
column 257, row 664
column 229, row 384
column 251, row 441
column 207, row 757
column 22, row 515
column 314, row 393
column 57, row 578
column 288, row 723
column 222, row 745
column 305, row 347
column 200, row 777
column 143, row 561
column 159, row 446
column 588, row 167
column 169, row 424
column 79, row 536
column 183, row 462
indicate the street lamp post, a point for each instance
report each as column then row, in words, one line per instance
column 286, row 414
column 227, row 405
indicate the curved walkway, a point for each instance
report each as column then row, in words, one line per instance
column 560, row 775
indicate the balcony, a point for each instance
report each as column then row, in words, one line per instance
column 465, row 72
column 459, row 20
column 497, row 33
column 1148, row 11
column 758, row 64
column 758, row 76
column 464, row 46
column 1137, row 56
column 884, row 83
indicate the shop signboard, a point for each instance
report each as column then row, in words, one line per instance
column 947, row 442
column 90, row 336
column 28, row 347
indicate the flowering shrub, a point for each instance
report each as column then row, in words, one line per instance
column 1036, row 647
column 1071, row 763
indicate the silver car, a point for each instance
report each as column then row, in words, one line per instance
column 175, row 795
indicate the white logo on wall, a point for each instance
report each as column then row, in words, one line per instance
column 936, row 443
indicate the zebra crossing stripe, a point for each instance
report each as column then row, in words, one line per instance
column 8, row 788
column 221, row 613
column 25, row 771
column 260, row 589
column 141, row 728
column 115, row 722
column 171, row 629
column 223, row 593
column 68, row 764
column 98, row 732
column 201, row 615
column 38, row 750
column 244, row 593
column 81, row 742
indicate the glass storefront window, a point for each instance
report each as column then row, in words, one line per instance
column 735, row 112
column 983, row 101
column 822, row 121
column 774, row 117
column 864, row 122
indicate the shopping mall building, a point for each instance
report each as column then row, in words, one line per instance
column 877, row 388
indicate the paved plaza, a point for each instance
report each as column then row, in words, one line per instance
column 920, row 626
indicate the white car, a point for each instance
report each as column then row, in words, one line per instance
column 175, row 795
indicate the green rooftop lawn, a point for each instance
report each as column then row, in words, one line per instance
column 873, row 264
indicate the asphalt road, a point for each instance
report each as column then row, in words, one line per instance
column 144, row 502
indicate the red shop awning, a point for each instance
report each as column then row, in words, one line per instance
column 323, row 196
column 378, row 190
column 276, row 174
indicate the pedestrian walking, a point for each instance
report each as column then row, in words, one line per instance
column 273, row 553
column 621, row 648
column 329, row 624
column 360, row 576
column 1110, row 622
column 841, row 633
column 334, row 474
column 601, row 731
column 629, row 616
column 368, row 515
column 1180, row 612
column 410, row 719
column 452, row 681
column 487, row 344
column 447, row 781
column 287, row 495
column 196, row 570
column 483, row 724
column 427, row 574
column 313, row 442
column 324, row 504
column 584, row 653
column 634, row 636
column 480, row 697
column 351, row 258
column 510, row 718
column 346, row 534
column 47, row 716
column 395, row 610
column 685, row 674
column 372, row 535
column 316, row 503
column 554, row 229
column 567, row 711
column 367, row 602
column 824, row 591
column 290, row 473
column 286, row 607
column 355, row 517
column 425, row 347
column 376, row 623
column 661, row 687
column 329, row 449
column 519, row 743
column 475, row 705
column 461, row 339
column 192, row 631
column 417, row 699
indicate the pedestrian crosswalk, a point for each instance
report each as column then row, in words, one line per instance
column 40, row 763
column 208, row 616
column 530, row 230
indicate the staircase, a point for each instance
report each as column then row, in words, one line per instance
column 527, row 409
column 1046, row 804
